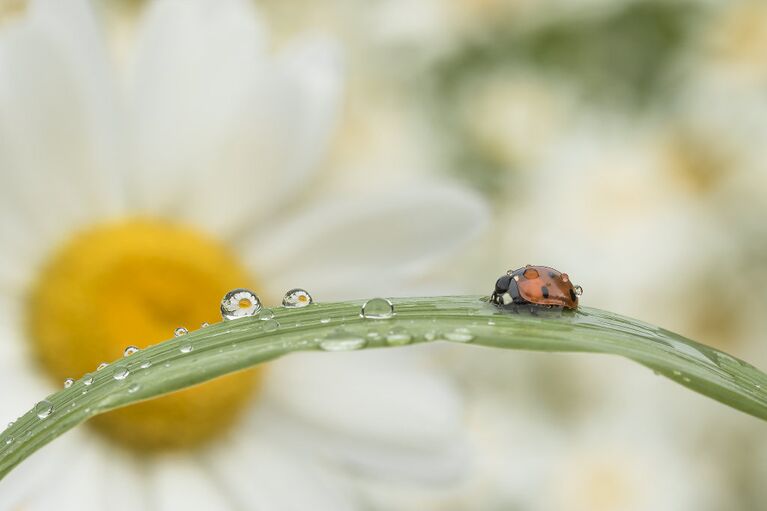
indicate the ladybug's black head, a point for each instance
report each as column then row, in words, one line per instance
column 506, row 290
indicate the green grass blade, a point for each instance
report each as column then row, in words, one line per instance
column 230, row 346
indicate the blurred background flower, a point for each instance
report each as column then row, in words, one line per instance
column 619, row 141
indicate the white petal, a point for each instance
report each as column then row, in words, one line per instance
column 57, row 127
column 224, row 130
column 39, row 471
column 384, row 412
column 177, row 482
column 347, row 244
column 17, row 372
column 76, row 486
column 125, row 481
column 260, row 473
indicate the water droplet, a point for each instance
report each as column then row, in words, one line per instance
column 134, row 388
column 239, row 303
column 180, row 331
column 101, row 366
column 460, row 335
column 677, row 373
column 398, row 337
column 431, row 335
column 374, row 336
column 204, row 324
column 578, row 290
column 69, row 382
column 146, row 365
column 377, row 308
column 270, row 325
column 490, row 322
column 43, row 409
column 296, row 298
column 266, row 314
column 686, row 379
column 9, row 440
column 10, row 424
column 341, row 340
column 120, row 373
column 130, row 350
column 186, row 348
column 325, row 321
column 87, row 380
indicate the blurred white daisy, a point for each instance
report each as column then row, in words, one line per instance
column 130, row 207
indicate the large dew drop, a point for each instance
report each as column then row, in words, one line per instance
column 296, row 298
column 43, row 409
column 377, row 308
column 239, row 303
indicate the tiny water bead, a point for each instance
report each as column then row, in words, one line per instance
column 178, row 332
column 146, row 365
column 134, row 388
column 270, row 325
column 296, row 298
column 204, row 324
column 87, row 380
column 342, row 340
column 239, row 303
column 460, row 335
column 398, row 336
column 101, row 366
column 120, row 373
column 377, row 308
column 130, row 350
column 43, row 409
column 186, row 348
column 69, row 382
column 266, row 314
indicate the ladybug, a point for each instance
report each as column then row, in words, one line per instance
column 536, row 285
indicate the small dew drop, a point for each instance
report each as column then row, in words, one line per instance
column 374, row 336
column 460, row 335
column 398, row 337
column 43, row 409
column 270, row 325
column 377, row 308
column 431, row 335
column 341, row 340
column 146, row 365
column 101, row 366
column 186, row 348
column 490, row 322
column 9, row 440
column 266, row 314
column 204, row 324
column 120, row 373
column 87, row 380
column 180, row 331
column 677, row 373
column 134, row 388
column 69, row 382
column 686, row 379
column 239, row 303
column 325, row 321
column 130, row 350
column 578, row 290
column 296, row 298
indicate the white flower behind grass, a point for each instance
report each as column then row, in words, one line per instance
column 130, row 207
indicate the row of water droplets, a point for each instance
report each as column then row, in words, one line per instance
column 243, row 303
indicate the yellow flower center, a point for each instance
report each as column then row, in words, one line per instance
column 133, row 283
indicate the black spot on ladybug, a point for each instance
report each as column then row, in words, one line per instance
column 552, row 275
column 545, row 291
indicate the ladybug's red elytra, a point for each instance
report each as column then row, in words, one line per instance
column 537, row 285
